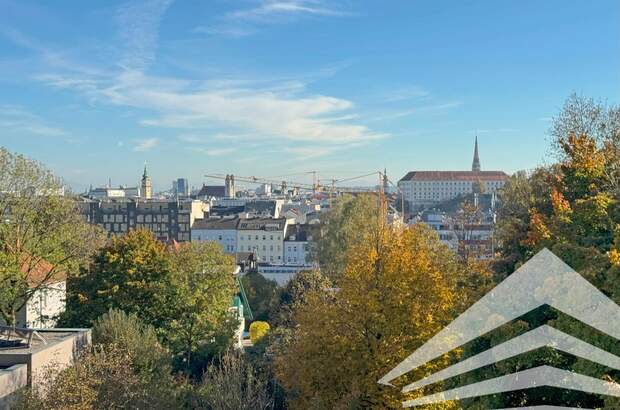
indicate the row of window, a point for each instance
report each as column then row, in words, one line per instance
column 241, row 237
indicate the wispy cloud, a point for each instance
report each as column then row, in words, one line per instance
column 214, row 152
column 421, row 110
column 406, row 93
column 246, row 21
column 138, row 23
column 147, row 144
column 268, row 9
column 16, row 119
column 224, row 30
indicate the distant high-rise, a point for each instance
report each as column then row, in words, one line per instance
column 180, row 187
column 475, row 165
column 146, row 185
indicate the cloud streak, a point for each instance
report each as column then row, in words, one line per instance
column 15, row 119
column 147, row 144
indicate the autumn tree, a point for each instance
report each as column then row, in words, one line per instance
column 42, row 235
column 398, row 288
column 342, row 228
column 572, row 208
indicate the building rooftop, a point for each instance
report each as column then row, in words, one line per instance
column 51, row 337
column 216, row 223
column 455, row 176
column 267, row 224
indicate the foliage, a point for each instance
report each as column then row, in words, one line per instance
column 42, row 235
column 128, row 333
column 103, row 378
column 397, row 290
column 342, row 228
column 258, row 330
column 294, row 295
column 233, row 384
column 262, row 294
column 198, row 299
column 131, row 273
column 571, row 207
column 184, row 292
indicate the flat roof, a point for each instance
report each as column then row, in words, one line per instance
column 51, row 336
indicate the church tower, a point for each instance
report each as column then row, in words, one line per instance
column 475, row 165
column 147, row 189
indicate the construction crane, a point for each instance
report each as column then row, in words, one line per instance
column 328, row 186
column 282, row 183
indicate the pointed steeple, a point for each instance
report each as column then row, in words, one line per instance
column 145, row 174
column 475, row 165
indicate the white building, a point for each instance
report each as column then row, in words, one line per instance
column 264, row 237
column 48, row 301
column 297, row 245
column 220, row 230
column 426, row 188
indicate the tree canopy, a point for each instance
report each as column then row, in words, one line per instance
column 43, row 238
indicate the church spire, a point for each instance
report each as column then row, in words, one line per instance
column 144, row 175
column 475, row 165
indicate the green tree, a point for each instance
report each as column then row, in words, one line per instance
column 262, row 294
column 342, row 228
column 132, row 273
column 294, row 295
column 42, row 235
column 198, row 299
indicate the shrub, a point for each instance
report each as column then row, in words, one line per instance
column 258, row 330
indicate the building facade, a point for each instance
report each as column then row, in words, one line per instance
column 167, row 219
column 220, row 230
column 423, row 189
column 264, row 237
column 297, row 244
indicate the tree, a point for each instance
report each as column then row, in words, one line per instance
column 258, row 330
column 198, row 298
column 42, row 235
column 571, row 207
column 131, row 273
column 294, row 295
column 233, row 384
column 397, row 290
column 342, row 227
column 149, row 359
column 262, row 294
column 126, row 368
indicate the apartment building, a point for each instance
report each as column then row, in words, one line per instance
column 264, row 237
column 167, row 219
column 220, row 230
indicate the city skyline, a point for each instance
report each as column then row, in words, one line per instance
column 266, row 87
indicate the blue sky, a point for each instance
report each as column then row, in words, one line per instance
column 275, row 87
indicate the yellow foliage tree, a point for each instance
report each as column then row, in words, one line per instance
column 399, row 288
column 258, row 330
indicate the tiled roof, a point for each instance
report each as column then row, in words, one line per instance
column 455, row 176
column 40, row 271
